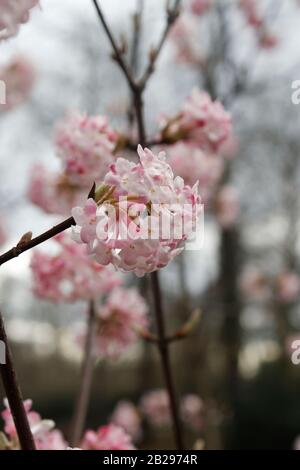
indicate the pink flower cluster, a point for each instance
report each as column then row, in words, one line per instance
column 118, row 320
column 184, row 35
column 45, row 435
column 53, row 192
column 86, row 147
column 155, row 407
column 193, row 165
column 227, row 206
column 13, row 14
column 126, row 229
column 70, row 275
column 258, row 286
column 254, row 284
column 19, row 77
column 203, row 122
column 109, row 437
column 127, row 417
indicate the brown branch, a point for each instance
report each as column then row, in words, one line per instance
column 183, row 332
column 20, row 248
column 86, row 378
column 14, row 396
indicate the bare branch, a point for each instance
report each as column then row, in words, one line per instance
column 118, row 57
column 172, row 15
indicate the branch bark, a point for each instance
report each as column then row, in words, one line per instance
column 14, row 396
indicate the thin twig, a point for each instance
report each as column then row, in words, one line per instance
column 20, row 248
column 14, row 396
column 172, row 15
column 118, row 57
column 88, row 366
column 181, row 333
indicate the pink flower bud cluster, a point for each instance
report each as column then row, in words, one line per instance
column 45, row 435
column 192, row 412
column 13, row 14
column 53, row 192
column 85, row 146
column 155, row 407
column 288, row 286
column 127, row 417
column 202, row 122
column 285, row 287
column 227, row 206
column 125, row 230
column 108, row 437
column 19, row 78
column 70, row 275
column 254, row 18
column 120, row 317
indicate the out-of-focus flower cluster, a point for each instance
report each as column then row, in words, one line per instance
column 199, row 143
column 13, row 14
column 53, row 192
column 109, row 437
column 19, row 77
column 257, row 286
column 85, row 146
column 70, row 275
column 154, row 410
column 47, row 437
column 201, row 122
column 123, row 312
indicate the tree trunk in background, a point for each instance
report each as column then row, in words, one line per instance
column 231, row 332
